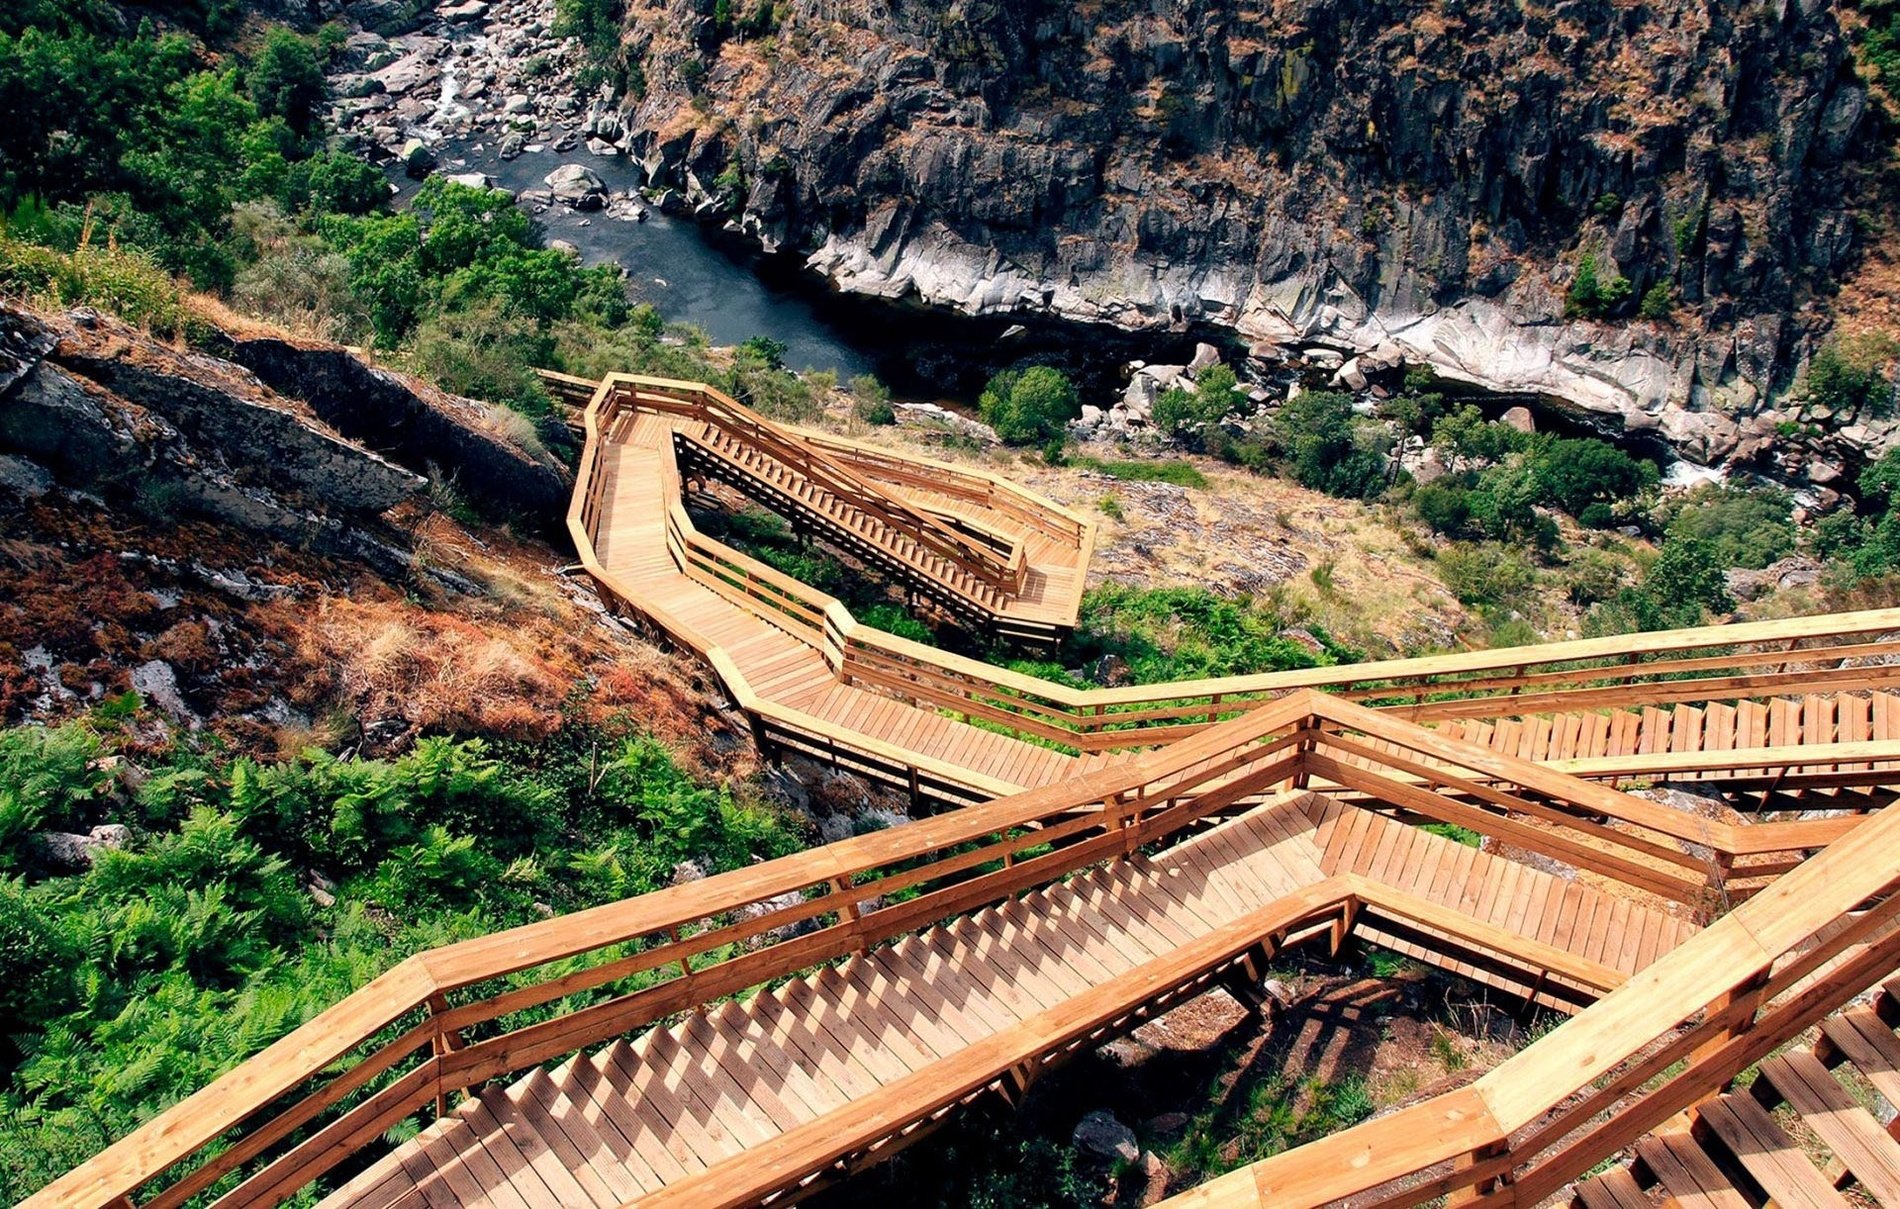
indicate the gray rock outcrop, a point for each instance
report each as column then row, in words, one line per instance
column 1411, row 183
column 104, row 407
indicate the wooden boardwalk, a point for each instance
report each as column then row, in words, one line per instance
column 682, row 1107
column 818, row 683
column 751, row 1036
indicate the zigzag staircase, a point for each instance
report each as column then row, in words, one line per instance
column 753, row 1036
column 913, row 552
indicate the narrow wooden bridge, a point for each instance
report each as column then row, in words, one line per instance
column 756, row 1035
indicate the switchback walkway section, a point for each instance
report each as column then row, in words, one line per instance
column 951, row 731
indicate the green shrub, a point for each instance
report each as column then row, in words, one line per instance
column 1029, row 406
column 871, row 401
column 47, row 778
column 1446, row 507
column 303, row 286
column 1848, row 374
column 35, row 963
column 894, row 620
column 1659, row 301
column 1180, row 411
column 1487, row 574
column 1592, row 295
column 1165, row 634
column 1743, row 527
column 488, row 351
column 1325, row 448
column 1593, row 576
column 1597, row 516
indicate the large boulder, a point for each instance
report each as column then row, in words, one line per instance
column 578, row 186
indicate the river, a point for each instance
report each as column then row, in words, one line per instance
column 697, row 274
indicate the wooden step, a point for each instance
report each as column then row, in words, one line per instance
column 1864, row 1039
column 1771, row 1158
column 1692, row 1179
column 1844, row 1127
column 1614, row 1189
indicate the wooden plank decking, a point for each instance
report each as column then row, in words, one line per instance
column 683, row 1106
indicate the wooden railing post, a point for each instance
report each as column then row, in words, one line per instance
column 445, row 1042
column 1493, row 1190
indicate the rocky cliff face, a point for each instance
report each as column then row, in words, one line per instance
column 1421, row 174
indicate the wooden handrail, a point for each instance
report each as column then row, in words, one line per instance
column 1003, row 571
column 1722, row 1000
column 946, row 857
column 951, row 862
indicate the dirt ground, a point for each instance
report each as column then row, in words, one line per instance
column 1336, row 563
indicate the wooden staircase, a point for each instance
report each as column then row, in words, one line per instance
column 874, row 535
column 1800, row 1134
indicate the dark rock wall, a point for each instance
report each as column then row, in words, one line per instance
column 412, row 423
column 1426, row 173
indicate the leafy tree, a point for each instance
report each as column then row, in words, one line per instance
column 1415, row 411
column 287, row 81
column 1575, row 473
column 593, row 23
column 1465, row 435
column 1317, row 436
column 1030, row 406
column 1682, row 588
column 1504, row 500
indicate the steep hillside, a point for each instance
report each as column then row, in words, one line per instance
column 176, row 528
column 1418, row 174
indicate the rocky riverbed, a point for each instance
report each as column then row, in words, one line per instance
column 487, row 79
